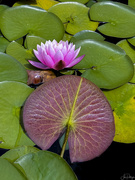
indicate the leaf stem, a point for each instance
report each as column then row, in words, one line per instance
column 65, row 141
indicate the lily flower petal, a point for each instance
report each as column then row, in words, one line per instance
column 38, row 65
column 77, row 60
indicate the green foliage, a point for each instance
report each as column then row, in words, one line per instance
column 28, row 20
column 122, row 101
column 115, row 22
column 110, row 66
column 12, row 97
column 105, row 64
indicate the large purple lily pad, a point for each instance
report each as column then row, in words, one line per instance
column 70, row 102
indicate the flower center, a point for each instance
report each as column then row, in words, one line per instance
column 59, row 65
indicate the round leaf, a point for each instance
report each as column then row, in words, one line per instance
column 132, row 41
column 73, row 103
column 13, row 154
column 86, row 34
column 122, row 101
column 119, row 24
column 12, row 97
column 2, row 9
column 106, row 64
column 3, row 44
column 32, row 41
column 21, row 54
column 45, row 165
column 11, row 69
column 80, row 1
column 74, row 16
column 131, row 3
column 130, row 51
column 21, row 20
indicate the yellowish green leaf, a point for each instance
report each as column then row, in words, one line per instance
column 122, row 101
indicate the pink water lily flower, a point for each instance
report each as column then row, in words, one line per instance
column 54, row 55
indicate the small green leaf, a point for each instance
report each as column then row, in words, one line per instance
column 122, row 101
column 119, row 24
column 11, row 69
column 12, row 97
column 45, row 165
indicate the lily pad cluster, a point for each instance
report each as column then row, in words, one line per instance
column 90, row 104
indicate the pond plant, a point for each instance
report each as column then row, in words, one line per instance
column 62, row 78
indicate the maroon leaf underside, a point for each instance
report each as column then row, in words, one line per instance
column 47, row 111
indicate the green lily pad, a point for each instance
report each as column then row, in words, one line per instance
column 90, row 3
column 131, row 3
column 32, row 41
column 119, row 24
column 21, row 54
column 132, row 41
column 18, row 21
column 130, row 51
column 11, row 69
column 133, row 78
column 3, row 44
column 86, row 34
column 13, row 154
column 75, row 105
column 2, row 9
column 105, row 64
column 45, row 165
column 122, row 101
column 79, row 1
column 12, row 96
column 9, row 171
column 74, row 16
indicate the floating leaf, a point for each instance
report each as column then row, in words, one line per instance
column 130, row 51
column 74, row 16
column 122, row 101
column 2, row 9
column 13, row 154
column 105, row 64
column 45, row 4
column 132, row 41
column 12, row 97
column 86, row 34
column 32, row 41
column 79, row 1
column 3, row 44
column 21, row 20
column 76, row 105
column 45, row 165
column 131, row 3
column 21, row 54
column 119, row 24
column 11, row 69
column 9, row 171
